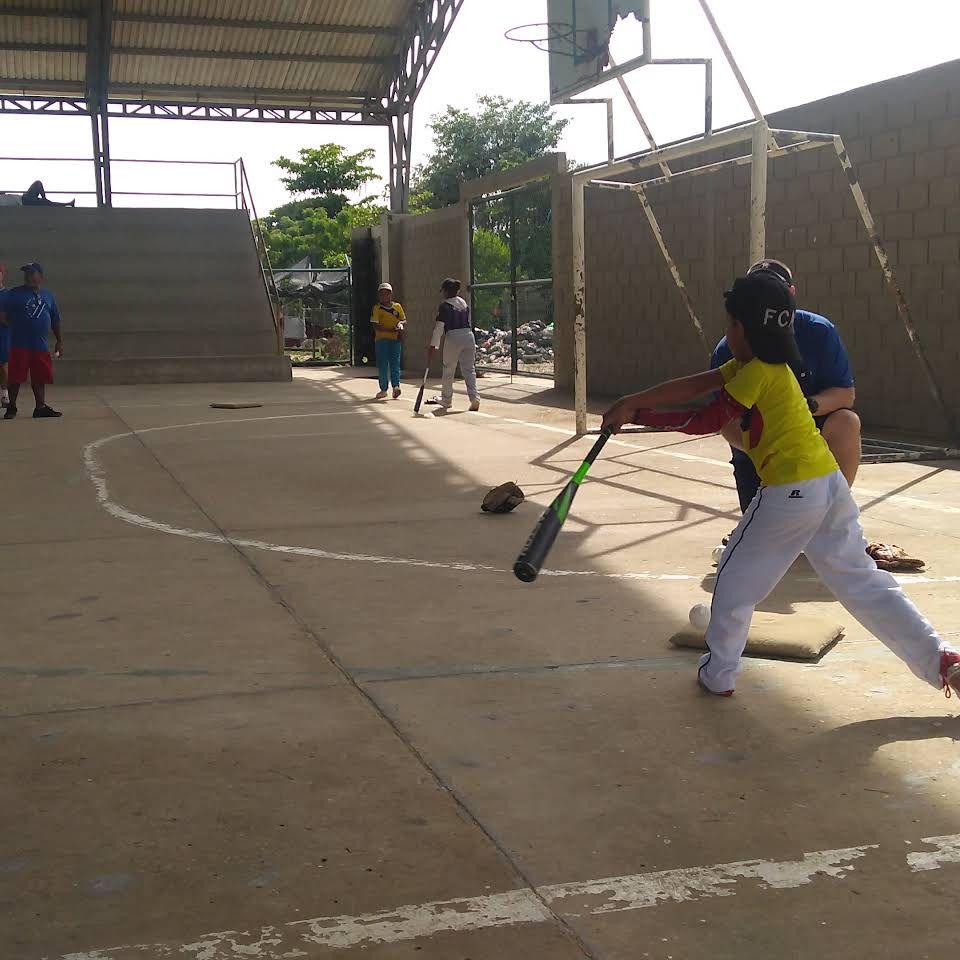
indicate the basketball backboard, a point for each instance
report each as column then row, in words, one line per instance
column 578, row 39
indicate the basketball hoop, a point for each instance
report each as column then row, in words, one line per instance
column 554, row 36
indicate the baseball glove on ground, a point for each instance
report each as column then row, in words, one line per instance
column 502, row 499
column 889, row 556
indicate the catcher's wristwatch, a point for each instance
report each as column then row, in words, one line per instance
column 813, row 404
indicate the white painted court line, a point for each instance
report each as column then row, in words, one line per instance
column 98, row 478
column 515, row 907
column 590, row 898
column 947, row 851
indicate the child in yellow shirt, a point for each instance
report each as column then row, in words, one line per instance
column 804, row 503
column 388, row 321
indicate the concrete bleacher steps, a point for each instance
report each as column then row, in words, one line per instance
column 150, row 296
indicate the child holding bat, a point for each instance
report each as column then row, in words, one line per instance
column 804, row 504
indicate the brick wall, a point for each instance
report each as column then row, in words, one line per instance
column 903, row 136
column 424, row 250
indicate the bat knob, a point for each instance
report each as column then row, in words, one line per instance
column 525, row 571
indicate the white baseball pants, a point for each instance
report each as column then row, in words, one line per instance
column 459, row 346
column 820, row 518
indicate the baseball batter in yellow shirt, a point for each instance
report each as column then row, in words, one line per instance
column 778, row 432
column 804, row 504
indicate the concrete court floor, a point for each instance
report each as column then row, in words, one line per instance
column 209, row 742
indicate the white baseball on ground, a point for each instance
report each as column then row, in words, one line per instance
column 717, row 553
column 700, row 615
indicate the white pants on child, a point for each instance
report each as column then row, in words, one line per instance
column 459, row 346
column 820, row 518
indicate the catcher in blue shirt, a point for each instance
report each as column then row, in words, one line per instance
column 827, row 383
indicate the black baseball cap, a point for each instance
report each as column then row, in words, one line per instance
column 776, row 267
column 32, row 267
column 763, row 303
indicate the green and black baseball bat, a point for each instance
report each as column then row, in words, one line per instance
column 534, row 553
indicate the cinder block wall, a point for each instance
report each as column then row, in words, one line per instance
column 150, row 295
column 431, row 247
column 903, row 135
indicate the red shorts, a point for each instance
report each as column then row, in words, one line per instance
column 37, row 364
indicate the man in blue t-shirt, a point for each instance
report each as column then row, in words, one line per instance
column 826, row 381
column 30, row 311
column 4, row 346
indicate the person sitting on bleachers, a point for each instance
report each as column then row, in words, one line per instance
column 36, row 196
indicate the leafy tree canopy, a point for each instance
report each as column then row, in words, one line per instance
column 501, row 134
column 327, row 173
column 319, row 226
column 304, row 228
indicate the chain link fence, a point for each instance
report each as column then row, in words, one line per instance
column 511, row 285
column 316, row 305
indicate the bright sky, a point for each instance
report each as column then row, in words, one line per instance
column 791, row 52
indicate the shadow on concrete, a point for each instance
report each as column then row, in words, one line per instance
column 800, row 584
column 865, row 737
column 547, row 460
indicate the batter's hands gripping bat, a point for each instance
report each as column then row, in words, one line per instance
column 535, row 551
column 416, row 406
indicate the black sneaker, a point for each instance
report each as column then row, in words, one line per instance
column 45, row 411
column 10, row 412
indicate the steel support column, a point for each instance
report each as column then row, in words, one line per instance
column 97, row 170
column 423, row 41
column 102, row 160
column 401, row 129
column 99, row 29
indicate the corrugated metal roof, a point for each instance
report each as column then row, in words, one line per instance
column 303, row 52
column 373, row 13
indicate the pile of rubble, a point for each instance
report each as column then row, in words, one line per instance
column 534, row 345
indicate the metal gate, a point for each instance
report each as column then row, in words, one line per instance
column 511, row 283
column 317, row 307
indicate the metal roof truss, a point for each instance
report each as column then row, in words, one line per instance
column 133, row 58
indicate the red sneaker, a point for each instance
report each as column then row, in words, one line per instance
column 950, row 671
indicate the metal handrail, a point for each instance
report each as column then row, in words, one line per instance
column 125, row 193
column 72, row 193
column 226, row 195
column 266, row 268
column 199, row 163
column 162, row 193
column 496, row 284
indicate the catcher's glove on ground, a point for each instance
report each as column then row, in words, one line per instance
column 502, row 499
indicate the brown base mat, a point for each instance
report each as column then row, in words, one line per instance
column 776, row 635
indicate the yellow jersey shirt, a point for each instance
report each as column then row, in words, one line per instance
column 388, row 318
column 779, row 434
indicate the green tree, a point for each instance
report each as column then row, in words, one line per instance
column 491, row 263
column 304, row 228
column 319, row 226
column 500, row 135
column 328, row 174
column 491, row 256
